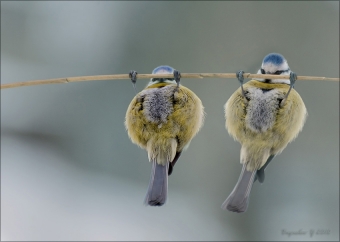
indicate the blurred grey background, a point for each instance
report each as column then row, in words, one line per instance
column 68, row 168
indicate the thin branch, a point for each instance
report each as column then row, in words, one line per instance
column 147, row 76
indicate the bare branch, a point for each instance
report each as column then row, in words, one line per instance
column 147, row 76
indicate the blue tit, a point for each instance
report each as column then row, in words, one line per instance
column 264, row 115
column 162, row 119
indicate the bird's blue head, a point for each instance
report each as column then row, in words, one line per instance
column 274, row 64
column 274, row 58
column 162, row 70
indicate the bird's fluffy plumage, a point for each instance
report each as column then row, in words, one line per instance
column 163, row 118
column 264, row 120
column 262, row 138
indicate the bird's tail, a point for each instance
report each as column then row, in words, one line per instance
column 158, row 185
column 161, row 153
column 260, row 173
column 237, row 201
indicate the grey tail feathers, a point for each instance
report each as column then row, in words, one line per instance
column 158, row 185
column 238, row 200
column 172, row 163
column 260, row 173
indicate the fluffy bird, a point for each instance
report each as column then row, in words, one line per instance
column 163, row 118
column 264, row 115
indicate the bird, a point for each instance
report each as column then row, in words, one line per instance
column 163, row 119
column 263, row 115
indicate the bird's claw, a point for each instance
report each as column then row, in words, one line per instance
column 133, row 76
column 177, row 76
column 240, row 78
column 292, row 78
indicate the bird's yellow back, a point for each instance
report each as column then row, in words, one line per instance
column 287, row 120
column 182, row 123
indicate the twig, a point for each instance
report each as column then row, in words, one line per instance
column 147, row 76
